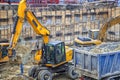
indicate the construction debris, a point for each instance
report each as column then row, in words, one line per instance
column 106, row 47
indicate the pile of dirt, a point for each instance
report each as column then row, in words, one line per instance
column 8, row 72
column 22, row 49
column 23, row 52
column 21, row 77
column 17, row 78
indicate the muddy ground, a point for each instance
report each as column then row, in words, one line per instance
column 12, row 72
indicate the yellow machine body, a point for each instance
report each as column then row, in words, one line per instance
column 68, row 54
column 85, row 41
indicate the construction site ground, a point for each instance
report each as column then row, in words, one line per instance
column 12, row 71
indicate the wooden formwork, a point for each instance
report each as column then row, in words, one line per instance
column 67, row 18
column 9, row 13
column 77, row 11
column 60, row 38
column 6, row 17
column 117, row 11
column 3, row 14
column 52, row 31
column 48, row 13
column 84, row 10
column 3, row 23
column 38, row 14
column 53, row 13
column 43, row 13
column 67, row 12
column 10, row 21
column 5, row 34
column 58, row 13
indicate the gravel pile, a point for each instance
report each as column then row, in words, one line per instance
column 106, row 47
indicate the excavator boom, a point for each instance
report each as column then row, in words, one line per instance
column 21, row 15
column 18, row 24
column 38, row 28
column 106, row 26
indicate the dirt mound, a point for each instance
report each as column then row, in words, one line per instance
column 21, row 77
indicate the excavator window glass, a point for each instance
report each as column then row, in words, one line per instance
column 50, row 54
column 60, row 53
column 4, row 51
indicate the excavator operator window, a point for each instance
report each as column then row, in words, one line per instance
column 4, row 51
column 60, row 53
column 50, row 54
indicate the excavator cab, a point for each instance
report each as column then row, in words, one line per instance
column 55, row 53
column 55, row 57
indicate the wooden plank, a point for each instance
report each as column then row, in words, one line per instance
column 10, row 21
column 3, row 23
column 10, row 13
column 3, row 14
column 38, row 14
column 58, row 13
column 68, row 12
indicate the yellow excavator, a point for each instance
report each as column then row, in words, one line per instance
column 54, row 57
column 101, row 34
column 97, row 36
column 111, row 22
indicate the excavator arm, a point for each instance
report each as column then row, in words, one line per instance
column 38, row 28
column 106, row 26
column 21, row 15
